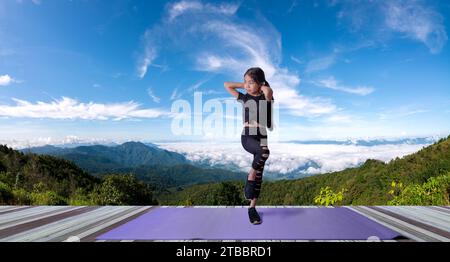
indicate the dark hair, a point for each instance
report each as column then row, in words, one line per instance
column 257, row 74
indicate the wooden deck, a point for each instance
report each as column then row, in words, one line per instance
column 85, row 223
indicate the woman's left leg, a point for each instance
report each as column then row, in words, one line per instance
column 258, row 147
column 258, row 164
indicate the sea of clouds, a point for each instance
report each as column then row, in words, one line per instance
column 295, row 159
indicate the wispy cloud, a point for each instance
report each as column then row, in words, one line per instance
column 68, row 108
column 146, row 60
column 223, row 43
column 320, row 64
column 7, row 80
column 293, row 5
column 298, row 61
column 418, row 22
column 408, row 18
column 153, row 96
column 175, row 94
column 401, row 112
column 152, row 38
column 182, row 7
column 36, row 2
column 332, row 83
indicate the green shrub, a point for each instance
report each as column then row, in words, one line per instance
column 122, row 190
column 47, row 198
column 227, row 194
column 435, row 191
column 81, row 198
column 6, row 195
column 21, row 197
column 328, row 197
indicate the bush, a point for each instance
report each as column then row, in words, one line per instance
column 122, row 190
column 433, row 192
column 6, row 195
column 21, row 197
column 81, row 198
column 227, row 195
column 47, row 198
column 328, row 197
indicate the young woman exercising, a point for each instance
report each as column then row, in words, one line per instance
column 257, row 115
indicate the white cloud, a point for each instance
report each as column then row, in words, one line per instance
column 36, row 2
column 174, row 11
column 401, row 112
column 221, row 42
column 175, row 94
column 68, row 108
column 146, row 60
column 298, row 61
column 6, row 80
column 153, row 96
column 182, row 7
column 332, row 83
column 413, row 19
column 290, row 157
column 320, row 64
column 293, row 5
column 418, row 22
column 66, row 141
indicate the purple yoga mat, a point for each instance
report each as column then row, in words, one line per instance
column 232, row 223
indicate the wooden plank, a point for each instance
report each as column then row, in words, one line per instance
column 17, row 229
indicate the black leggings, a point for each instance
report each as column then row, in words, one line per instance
column 257, row 145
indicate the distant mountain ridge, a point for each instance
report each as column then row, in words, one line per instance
column 97, row 158
column 370, row 142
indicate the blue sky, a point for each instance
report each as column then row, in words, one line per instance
column 113, row 69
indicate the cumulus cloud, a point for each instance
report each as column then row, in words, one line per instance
column 288, row 158
column 6, row 80
column 332, row 83
column 214, row 39
column 68, row 108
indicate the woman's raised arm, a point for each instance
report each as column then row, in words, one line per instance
column 268, row 92
column 231, row 87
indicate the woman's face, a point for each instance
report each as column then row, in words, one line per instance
column 250, row 85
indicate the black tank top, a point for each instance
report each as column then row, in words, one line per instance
column 256, row 109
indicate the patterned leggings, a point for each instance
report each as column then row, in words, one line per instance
column 257, row 146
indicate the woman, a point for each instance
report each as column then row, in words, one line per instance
column 257, row 115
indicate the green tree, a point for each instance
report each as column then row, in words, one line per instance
column 6, row 195
column 123, row 190
column 328, row 197
column 227, row 194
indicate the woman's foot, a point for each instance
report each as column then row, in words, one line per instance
column 254, row 216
